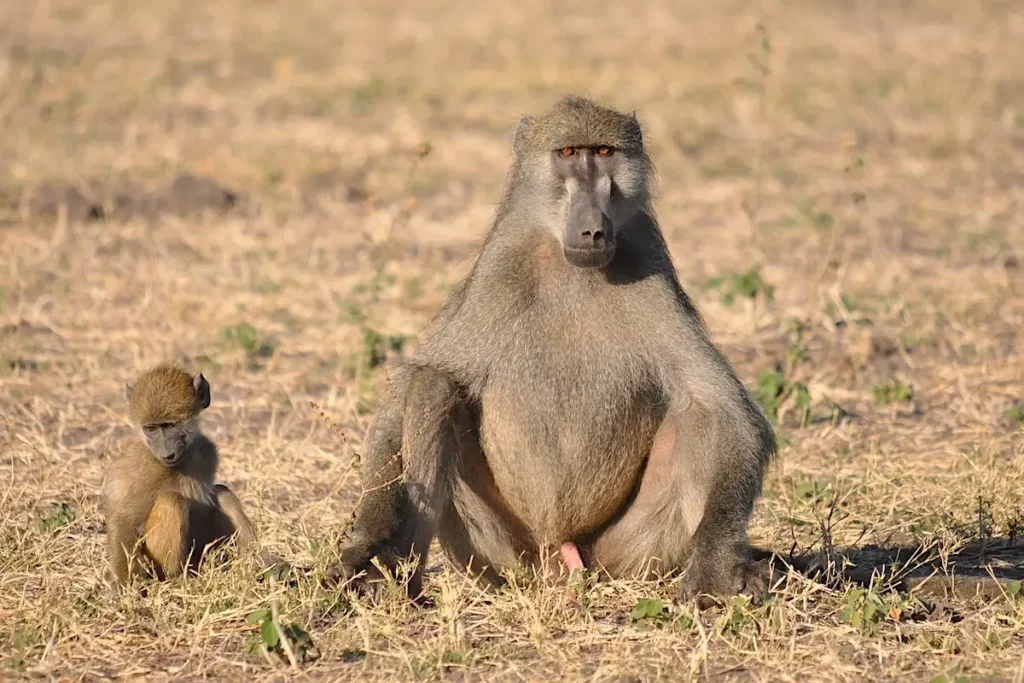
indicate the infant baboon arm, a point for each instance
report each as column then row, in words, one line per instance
column 232, row 508
column 168, row 542
column 121, row 550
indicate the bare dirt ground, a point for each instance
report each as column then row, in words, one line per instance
column 281, row 194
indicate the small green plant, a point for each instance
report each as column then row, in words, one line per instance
column 747, row 284
column 836, row 410
column 892, row 391
column 1013, row 588
column 739, row 616
column 56, row 516
column 452, row 658
column 950, row 678
column 378, row 346
column 812, row 492
column 1015, row 415
column 249, row 339
column 17, row 644
column 773, row 391
column 379, row 282
column 819, row 219
column 650, row 612
column 272, row 636
column 582, row 585
column 864, row 610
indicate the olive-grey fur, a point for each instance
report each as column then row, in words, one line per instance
column 550, row 403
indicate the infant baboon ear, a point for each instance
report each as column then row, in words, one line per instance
column 202, row 388
column 128, row 392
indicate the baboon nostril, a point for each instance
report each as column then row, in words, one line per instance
column 586, row 233
column 598, row 235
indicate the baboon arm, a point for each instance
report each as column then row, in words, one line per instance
column 229, row 504
column 382, row 505
column 722, row 445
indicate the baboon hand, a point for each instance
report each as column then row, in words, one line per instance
column 711, row 579
column 341, row 573
column 354, row 570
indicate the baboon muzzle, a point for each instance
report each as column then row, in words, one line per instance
column 589, row 240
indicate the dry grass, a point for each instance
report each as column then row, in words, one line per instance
column 873, row 171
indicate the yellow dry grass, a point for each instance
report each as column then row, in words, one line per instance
column 867, row 158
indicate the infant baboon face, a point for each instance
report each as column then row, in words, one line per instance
column 165, row 403
column 169, row 441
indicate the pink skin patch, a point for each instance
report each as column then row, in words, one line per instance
column 571, row 557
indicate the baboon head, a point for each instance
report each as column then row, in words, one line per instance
column 584, row 168
column 165, row 402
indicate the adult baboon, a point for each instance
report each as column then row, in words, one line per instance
column 568, row 395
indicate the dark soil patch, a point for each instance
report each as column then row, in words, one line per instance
column 186, row 195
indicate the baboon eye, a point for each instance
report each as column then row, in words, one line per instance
column 605, row 151
column 568, row 151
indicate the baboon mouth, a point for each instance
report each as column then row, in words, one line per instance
column 589, row 258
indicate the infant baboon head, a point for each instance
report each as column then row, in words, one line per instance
column 165, row 402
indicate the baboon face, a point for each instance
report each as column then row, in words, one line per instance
column 169, row 441
column 585, row 167
column 585, row 174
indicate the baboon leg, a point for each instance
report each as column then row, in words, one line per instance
column 167, row 533
column 233, row 519
column 477, row 532
column 652, row 535
column 690, row 511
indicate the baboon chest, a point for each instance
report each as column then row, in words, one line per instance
column 566, row 429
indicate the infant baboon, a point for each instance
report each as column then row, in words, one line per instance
column 160, row 488
column 568, row 394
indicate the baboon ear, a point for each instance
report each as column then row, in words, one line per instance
column 202, row 388
column 639, row 132
column 128, row 392
column 522, row 133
